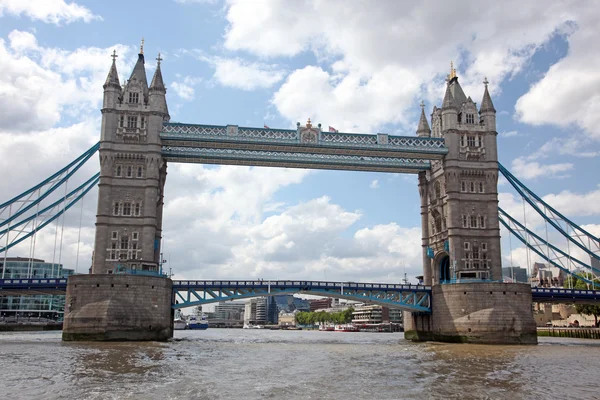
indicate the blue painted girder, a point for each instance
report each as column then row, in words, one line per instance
column 409, row 297
column 560, row 295
column 233, row 145
column 16, row 287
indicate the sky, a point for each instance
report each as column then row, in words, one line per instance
column 357, row 66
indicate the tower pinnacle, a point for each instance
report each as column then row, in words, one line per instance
column 142, row 47
column 113, row 77
column 486, row 102
column 423, row 128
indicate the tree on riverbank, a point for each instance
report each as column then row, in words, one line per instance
column 320, row 317
column 586, row 309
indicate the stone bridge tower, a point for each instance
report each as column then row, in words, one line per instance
column 124, row 298
column 461, row 233
column 132, row 172
column 459, row 196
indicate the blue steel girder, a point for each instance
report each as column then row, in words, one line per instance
column 32, row 286
column 415, row 298
column 234, row 145
column 561, row 295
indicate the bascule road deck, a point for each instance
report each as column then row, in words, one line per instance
column 306, row 147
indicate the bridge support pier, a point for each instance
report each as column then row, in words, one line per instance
column 118, row 308
column 487, row 313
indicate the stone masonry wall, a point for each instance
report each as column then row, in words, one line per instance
column 118, row 307
column 483, row 313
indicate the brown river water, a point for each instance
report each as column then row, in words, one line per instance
column 263, row 364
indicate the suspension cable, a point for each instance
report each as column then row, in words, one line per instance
column 79, row 235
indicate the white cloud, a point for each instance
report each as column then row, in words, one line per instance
column 240, row 74
column 374, row 184
column 184, row 86
column 392, row 54
column 49, row 11
column 41, row 86
column 567, row 93
column 530, row 170
column 348, row 104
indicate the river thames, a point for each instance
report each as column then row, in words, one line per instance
column 262, row 364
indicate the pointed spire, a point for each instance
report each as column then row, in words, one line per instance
column 448, row 101
column 423, row 128
column 486, row 102
column 113, row 77
column 157, row 80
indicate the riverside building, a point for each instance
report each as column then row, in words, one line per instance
column 37, row 306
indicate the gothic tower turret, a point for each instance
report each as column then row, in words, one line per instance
column 157, row 91
column 132, row 173
column 461, row 235
column 487, row 111
column 423, row 128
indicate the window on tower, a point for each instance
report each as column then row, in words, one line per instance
column 132, row 121
column 139, row 172
column 470, row 141
column 118, row 171
column 121, row 121
column 470, row 119
column 134, row 98
column 127, row 208
column 473, row 221
column 143, row 123
column 129, row 171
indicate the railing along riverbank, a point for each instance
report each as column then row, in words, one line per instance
column 581, row 333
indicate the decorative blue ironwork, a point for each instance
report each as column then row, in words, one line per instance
column 430, row 253
column 190, row 293
column 431, row 146
column 409, row 297
column 176, row 153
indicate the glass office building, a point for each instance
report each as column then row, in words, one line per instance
column 37, row 306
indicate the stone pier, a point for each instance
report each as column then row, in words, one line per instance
column 487, row 313
column 118, row 307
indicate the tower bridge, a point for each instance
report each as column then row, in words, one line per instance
column 455, row 158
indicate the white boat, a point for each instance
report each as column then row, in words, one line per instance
column 179, row 323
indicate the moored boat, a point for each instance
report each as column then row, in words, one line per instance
column 346, row 328
column 179, row 323
column 198, row 322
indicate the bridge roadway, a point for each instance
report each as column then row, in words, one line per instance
column 189, row 293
